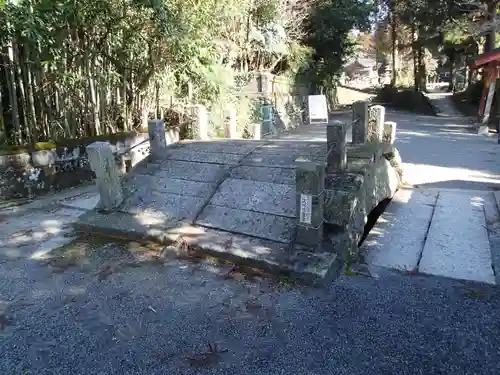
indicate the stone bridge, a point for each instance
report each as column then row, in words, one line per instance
column 294, row 207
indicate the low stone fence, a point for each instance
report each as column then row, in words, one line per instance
column 31, row 173
column 333, row 200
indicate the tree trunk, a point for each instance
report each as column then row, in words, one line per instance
column 489, row 44
column 451, row 86
column 394, row 41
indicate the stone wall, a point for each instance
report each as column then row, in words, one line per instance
column 357, row 177
column 32, row 173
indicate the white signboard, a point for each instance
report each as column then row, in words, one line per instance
column 318, row 111
column 305, row 208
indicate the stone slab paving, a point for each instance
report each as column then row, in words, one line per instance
column 256, row 224
column 274, row 175
column 457, row 244
column 193, row 171
column 256, row 196
column 398, row 238
column 199, row 193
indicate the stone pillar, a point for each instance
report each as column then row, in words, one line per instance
column 200, row 125
column 389, row 135
column 157, row 140
column 102, row 162
column 230, row 123
column 336, row 159
column 257, row 131
column 376, row 123
column 310, row 184
column 359, row 122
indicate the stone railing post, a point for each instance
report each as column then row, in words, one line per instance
column 310, row 184
column 336, row 159
column 359, row 122
column 157, row 139
column 230, row 123
column 389, row 136
column 102, row 162
column 376, row 123
column 200, row 125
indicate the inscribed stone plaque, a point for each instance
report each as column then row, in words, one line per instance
column 305, row 208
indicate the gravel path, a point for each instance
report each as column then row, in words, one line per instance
column 159, row 319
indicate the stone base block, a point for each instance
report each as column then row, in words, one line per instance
column 345, row 200
column 297, row 262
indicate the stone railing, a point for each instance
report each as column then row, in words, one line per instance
column 33, row 173
column 334, row 199
column 102, row 161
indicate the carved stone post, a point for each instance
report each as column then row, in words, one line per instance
column 376, row 123
column 389, row 136
column 359, row 122
column 336, row 160
column 157, row 140
column 102, row 162
column 310, row 183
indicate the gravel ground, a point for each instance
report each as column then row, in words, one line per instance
column 110, row 308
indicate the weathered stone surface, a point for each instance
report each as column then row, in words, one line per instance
column 157, row 140
column 134, row 227
column 386, row 181
column 277, row 160
column 345, row 201
column 394, row 158
column 367, row 151
column 345, row 244
column 275, row 257
column 102, row 162
column 203, row 157
column 340, row 207
column 265, row 174
column 296, row 146
column 309, row 184
column 389, row 135
column 256, row 196
column 376, row 123
column 185, row 170
column 365, row 167
column 223, row 146
column 172, row 185
column 256, row 224
column 359, row 122
column 164, row 206
column 336, row 160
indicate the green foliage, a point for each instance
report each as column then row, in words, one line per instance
column 330, row 23
column 89, row 67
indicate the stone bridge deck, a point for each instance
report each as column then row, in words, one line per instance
column 238, row 199
column 231, row 198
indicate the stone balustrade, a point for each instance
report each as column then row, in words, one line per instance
column 357, row 177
